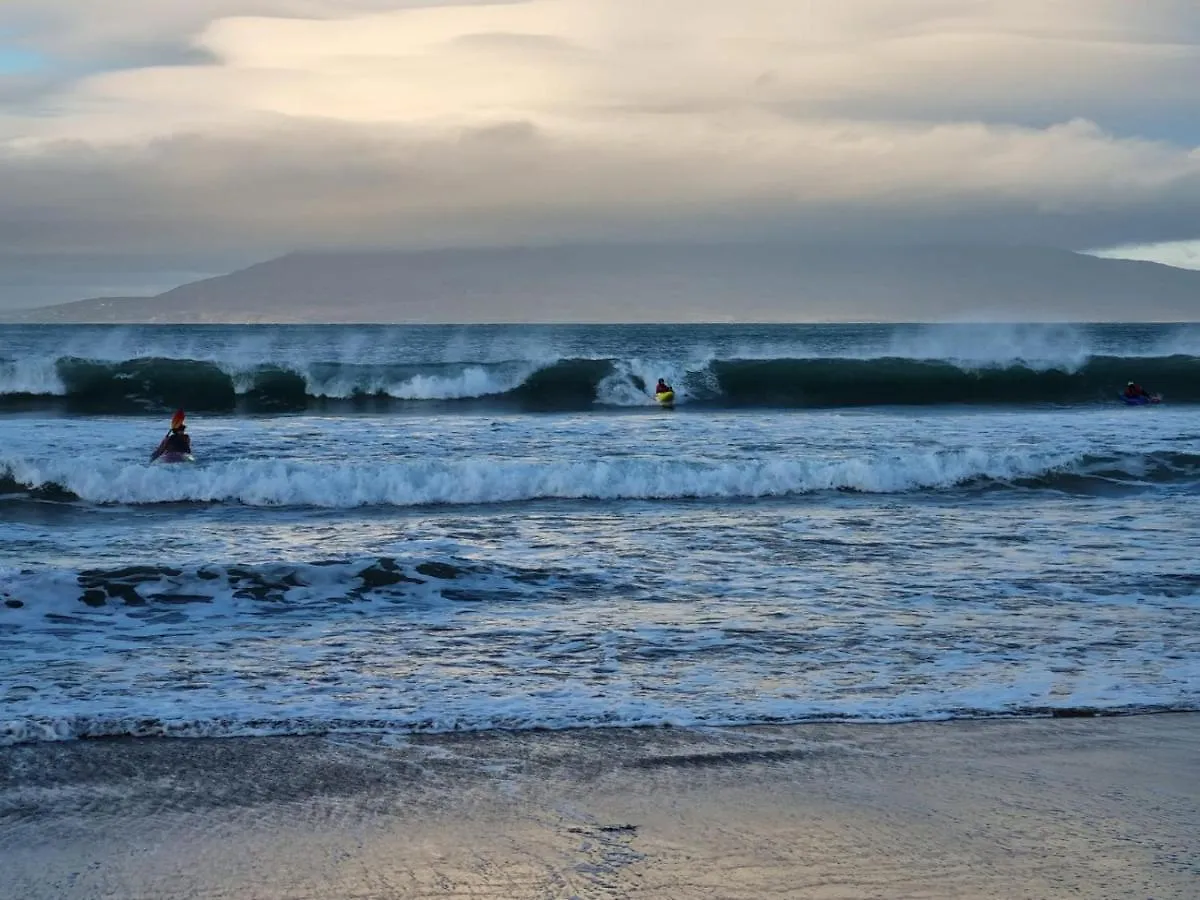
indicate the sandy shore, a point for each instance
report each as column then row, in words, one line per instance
column 1091, row 808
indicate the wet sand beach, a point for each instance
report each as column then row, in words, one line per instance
column 1047, row 808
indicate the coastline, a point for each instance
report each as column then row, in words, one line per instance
column 1093, row 807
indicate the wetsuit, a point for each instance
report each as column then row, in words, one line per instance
column 175, row 442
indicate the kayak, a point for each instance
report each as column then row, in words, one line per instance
column 1141, row 401
column 666, row 398
column 176, row 458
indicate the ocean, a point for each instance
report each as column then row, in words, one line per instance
column 409, row 529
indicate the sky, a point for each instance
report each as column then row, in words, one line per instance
column 142, row 143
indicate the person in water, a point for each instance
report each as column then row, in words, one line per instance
column 176, row 441
column 662, row 387
column 1134, row 391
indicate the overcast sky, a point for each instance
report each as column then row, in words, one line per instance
column 143, row 142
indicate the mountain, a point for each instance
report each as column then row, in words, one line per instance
column 766, row 283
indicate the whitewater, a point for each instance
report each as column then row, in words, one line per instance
column 421, row 529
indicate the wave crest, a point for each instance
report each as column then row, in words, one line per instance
column 280, row 483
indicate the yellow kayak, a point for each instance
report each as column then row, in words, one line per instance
column 666, row 398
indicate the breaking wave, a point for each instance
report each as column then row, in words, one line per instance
column 74, row 384
column 479, row 481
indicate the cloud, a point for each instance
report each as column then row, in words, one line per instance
column 325, row 183
column 1181, row 254
column 1016, row 62
column 126, row 32
column 208, row 125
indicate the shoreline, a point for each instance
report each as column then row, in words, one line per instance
column 1105, row 806
column 152, row 729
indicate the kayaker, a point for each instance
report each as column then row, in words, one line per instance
column 1134, row 391
column 176, row 441
column 662, row 387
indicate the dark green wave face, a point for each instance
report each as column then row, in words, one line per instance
column 143, row 384
column 906, row 382
column 156, row 385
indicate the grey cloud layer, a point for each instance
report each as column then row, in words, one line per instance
column 287, row 123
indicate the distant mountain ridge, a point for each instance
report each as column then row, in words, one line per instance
column 669, row 283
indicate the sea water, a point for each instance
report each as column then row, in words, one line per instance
column 416, row 528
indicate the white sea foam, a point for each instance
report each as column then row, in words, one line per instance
column 36, row 375
column 467, row 382
column 219, row 709
column 256, row 482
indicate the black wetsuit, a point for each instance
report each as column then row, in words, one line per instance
column 175, row 442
